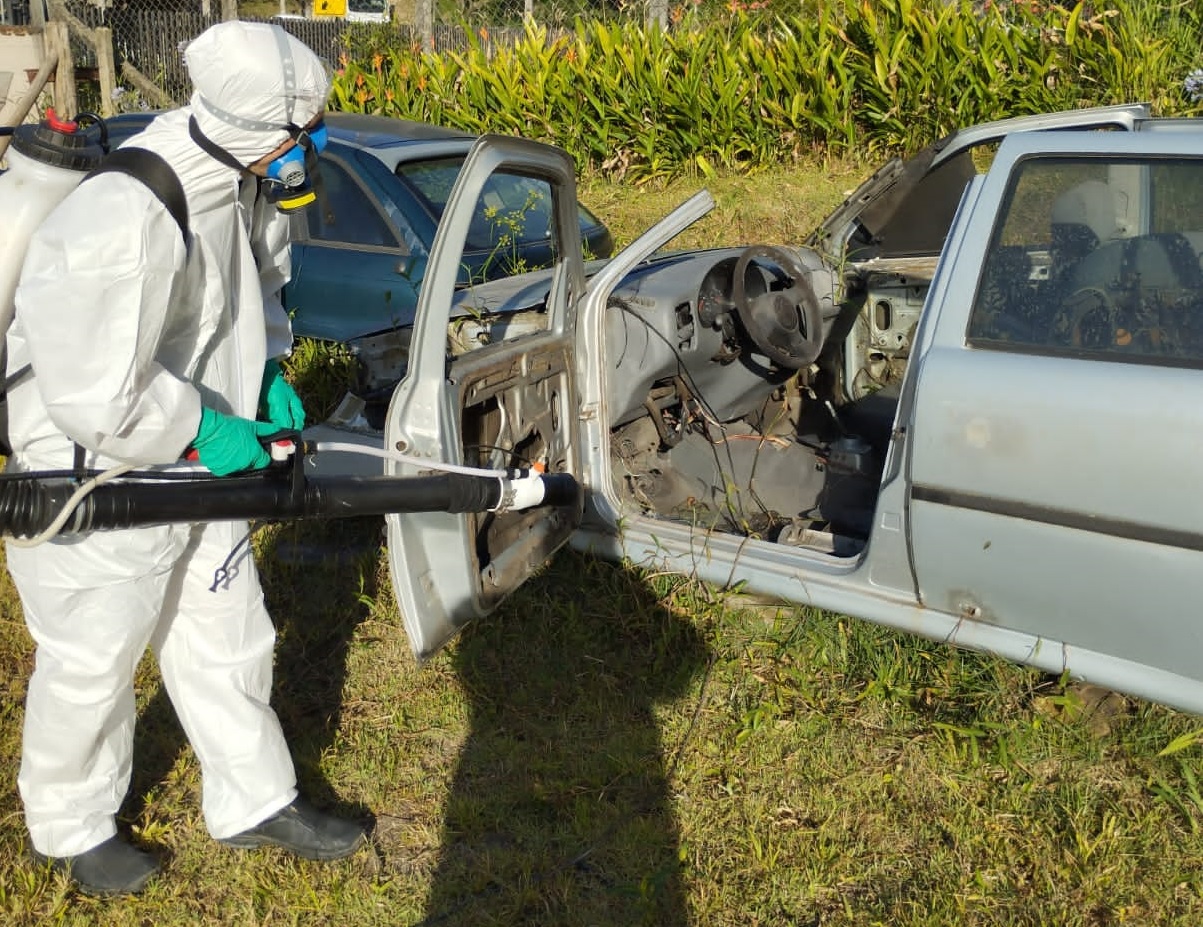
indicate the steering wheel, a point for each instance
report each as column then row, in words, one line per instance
column 786, row 324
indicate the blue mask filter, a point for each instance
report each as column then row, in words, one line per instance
column 293, row 171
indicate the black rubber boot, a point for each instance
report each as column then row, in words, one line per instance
column 111, row 868
column 302, row 829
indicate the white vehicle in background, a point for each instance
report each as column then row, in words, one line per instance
column 353, row 11
column 367, row 11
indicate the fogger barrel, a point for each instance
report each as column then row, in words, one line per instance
column 29, row 506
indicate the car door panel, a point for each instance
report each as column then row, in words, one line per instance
column 508, row 404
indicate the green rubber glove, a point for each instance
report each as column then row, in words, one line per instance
column 278, row 401
column 226, row 444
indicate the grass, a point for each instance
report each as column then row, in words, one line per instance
column 614, row 748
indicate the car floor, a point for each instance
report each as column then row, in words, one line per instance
column 737, row 480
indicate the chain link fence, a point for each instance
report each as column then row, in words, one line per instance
column 147, row 35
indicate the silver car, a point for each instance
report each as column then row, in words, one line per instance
column 912, row 418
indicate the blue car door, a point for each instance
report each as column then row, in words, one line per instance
column 354, row 266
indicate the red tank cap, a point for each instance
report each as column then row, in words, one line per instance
column 59, row 125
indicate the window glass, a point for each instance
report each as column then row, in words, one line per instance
column 1096, row 257
column 356, row 220
column 513, row 209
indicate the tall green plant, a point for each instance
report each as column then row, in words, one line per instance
column 745, row 91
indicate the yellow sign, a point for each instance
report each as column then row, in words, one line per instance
column 329, row 7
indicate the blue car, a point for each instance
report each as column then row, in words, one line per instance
column 358, row 268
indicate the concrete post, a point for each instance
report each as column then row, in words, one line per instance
column 657, row 13
column 424, row 22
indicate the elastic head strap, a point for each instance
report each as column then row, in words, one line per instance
column 211, row 148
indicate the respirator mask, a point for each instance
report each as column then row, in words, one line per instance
column 293, row 178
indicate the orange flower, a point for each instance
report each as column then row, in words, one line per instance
column 377, row 62
column 359, row 79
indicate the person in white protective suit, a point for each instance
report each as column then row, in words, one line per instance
column 144, row 347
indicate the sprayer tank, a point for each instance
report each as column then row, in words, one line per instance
column 45, row 163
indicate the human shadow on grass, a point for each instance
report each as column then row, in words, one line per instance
column 313, row 574
column 559, row 812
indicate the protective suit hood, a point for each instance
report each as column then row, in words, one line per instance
column 252, row 82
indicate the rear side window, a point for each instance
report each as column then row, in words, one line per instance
column 1097, row 258
column 513, row 210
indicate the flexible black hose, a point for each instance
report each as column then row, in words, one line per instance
column 27, row 507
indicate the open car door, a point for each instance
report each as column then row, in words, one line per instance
column 510, row 403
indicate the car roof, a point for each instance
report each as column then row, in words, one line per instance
column 381, row 132
column 374, row 133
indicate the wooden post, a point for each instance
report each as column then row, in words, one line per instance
column 37, row 14
column 229, row 9
column 58, row 42
column 147, row 87
column 107, row 68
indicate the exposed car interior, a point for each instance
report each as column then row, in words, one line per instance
column 716, row 398
column 1096, row 274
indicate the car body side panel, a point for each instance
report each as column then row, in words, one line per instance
column 1057, row 495
column 338, row 293
column 791, row 575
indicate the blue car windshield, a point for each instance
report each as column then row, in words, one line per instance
column 512, row 209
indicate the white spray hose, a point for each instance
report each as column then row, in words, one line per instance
column 517, row 492
column 347, row 448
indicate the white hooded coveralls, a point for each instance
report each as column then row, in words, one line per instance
column 129, row 332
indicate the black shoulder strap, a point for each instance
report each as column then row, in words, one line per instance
column 155, row 173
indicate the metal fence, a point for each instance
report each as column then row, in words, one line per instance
column 149, row 34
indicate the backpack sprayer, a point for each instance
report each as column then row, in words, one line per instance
column 46, row 162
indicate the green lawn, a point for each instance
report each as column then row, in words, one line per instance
column 614, row 748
